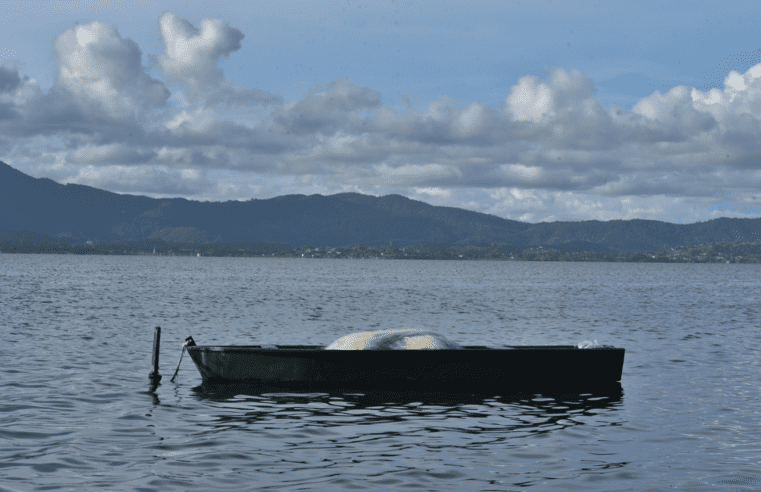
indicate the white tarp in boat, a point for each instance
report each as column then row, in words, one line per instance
column 588, row 344
column 393, row 340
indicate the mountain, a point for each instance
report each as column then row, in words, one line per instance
column 42, row 206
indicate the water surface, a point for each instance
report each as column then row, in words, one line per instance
column 76, row 410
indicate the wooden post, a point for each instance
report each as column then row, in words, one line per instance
column 155, row 376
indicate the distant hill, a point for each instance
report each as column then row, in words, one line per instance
column 42, row 206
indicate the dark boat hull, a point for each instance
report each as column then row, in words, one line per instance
column 477, row 368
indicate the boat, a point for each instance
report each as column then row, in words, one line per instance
column 470, row 367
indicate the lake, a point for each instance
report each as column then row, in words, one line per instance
column 77, row 411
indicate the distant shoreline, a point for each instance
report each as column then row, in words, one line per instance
column 735, row 252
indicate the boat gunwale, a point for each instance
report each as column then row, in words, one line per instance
column 320, row 348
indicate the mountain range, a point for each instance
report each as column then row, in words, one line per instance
column 43, row 207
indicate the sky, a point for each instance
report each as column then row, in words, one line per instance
column 527, row 110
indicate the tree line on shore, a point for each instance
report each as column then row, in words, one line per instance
column 723, row 252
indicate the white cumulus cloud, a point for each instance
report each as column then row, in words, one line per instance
column 191, row 58
column 191, row 54
column 96, row 64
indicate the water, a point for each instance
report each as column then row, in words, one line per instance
column 77, row 413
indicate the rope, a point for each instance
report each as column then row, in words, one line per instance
column 178, row 364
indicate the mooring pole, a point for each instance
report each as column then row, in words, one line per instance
column 155, row 376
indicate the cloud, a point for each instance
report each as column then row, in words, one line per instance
column 191, row 54
column 155, row 181
column 9, row 77
column 328, row 110
column 97, row 65
column 551, row 151
column 541, row 101
column 562, row 112
column 101, row 88
column 191, row 58
column 674, row 114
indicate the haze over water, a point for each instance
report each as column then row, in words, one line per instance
column 76, row 411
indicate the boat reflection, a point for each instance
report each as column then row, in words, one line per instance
column 611, row 393
column 242, row 404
